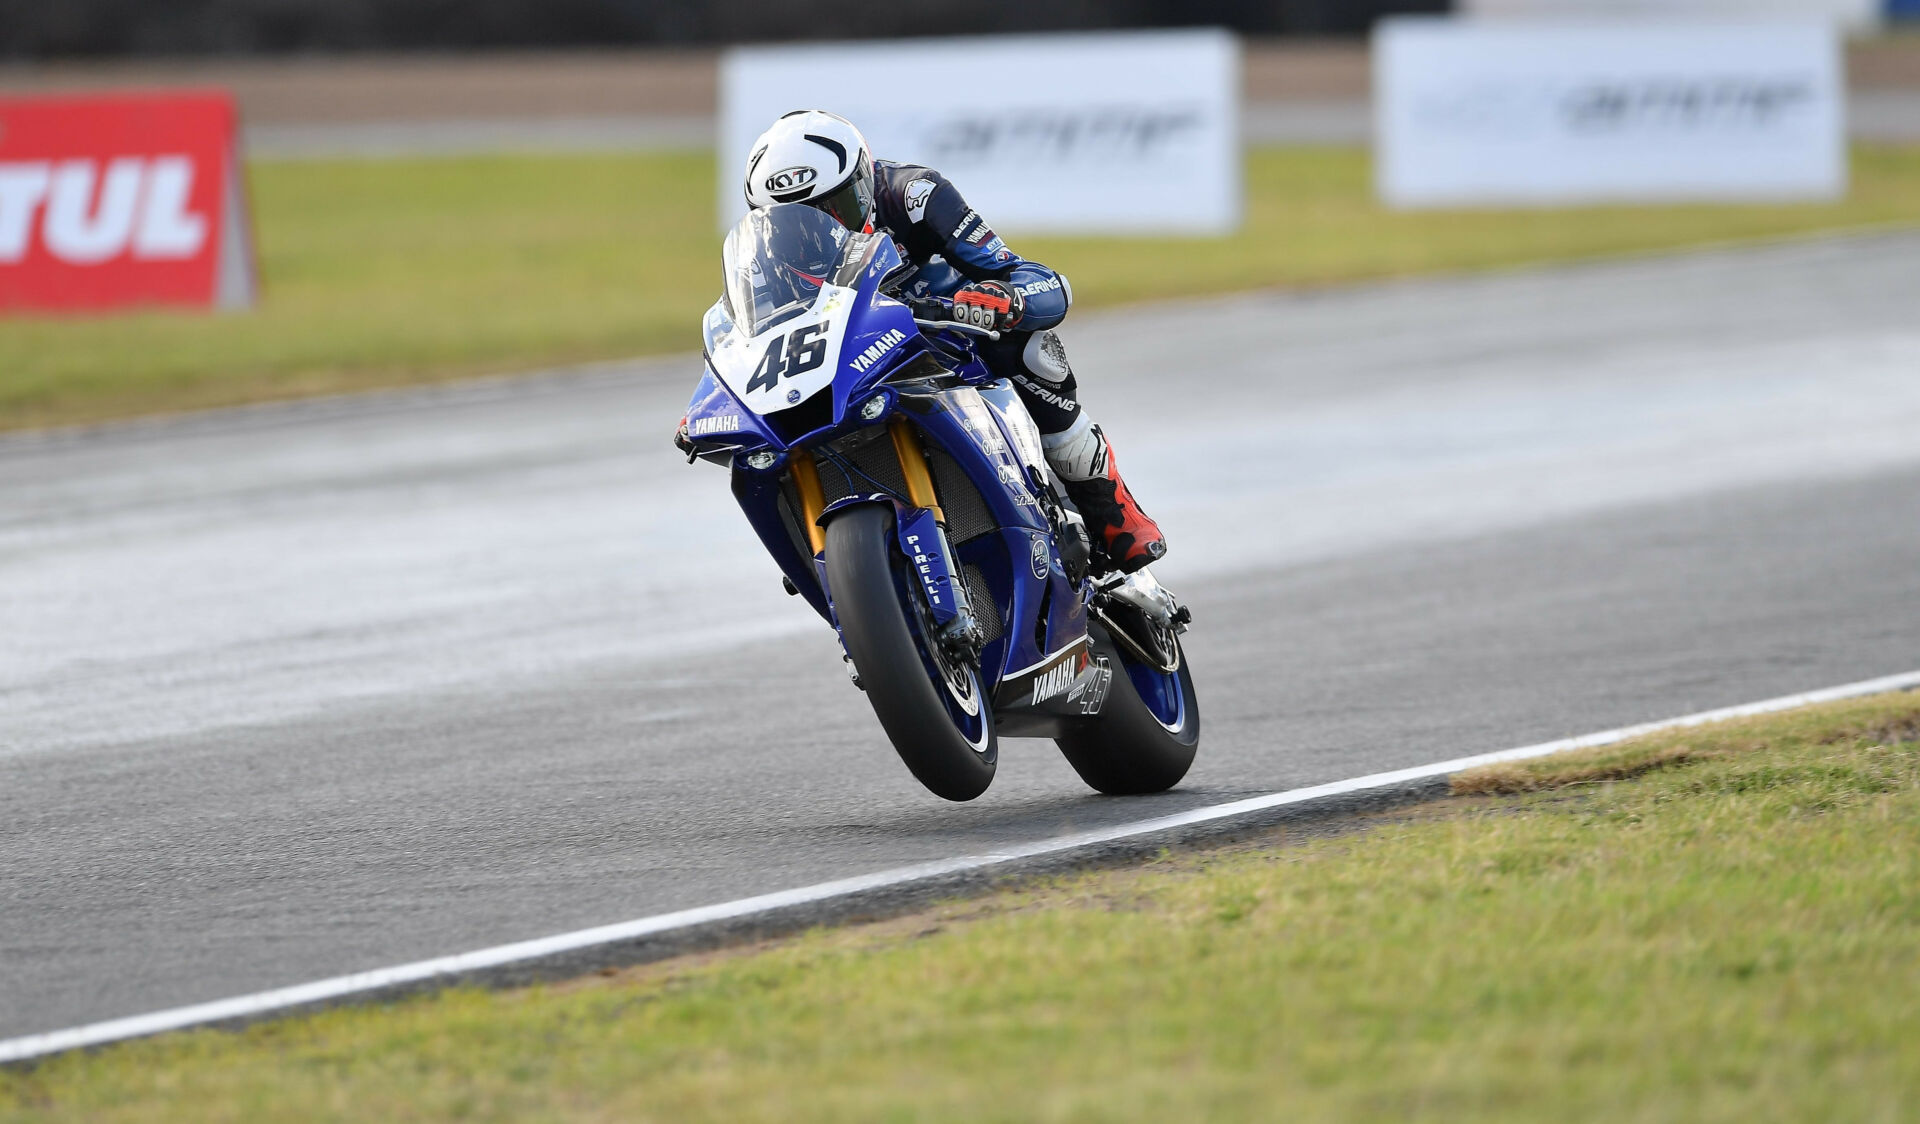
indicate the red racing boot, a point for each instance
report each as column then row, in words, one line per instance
column 1120, row 530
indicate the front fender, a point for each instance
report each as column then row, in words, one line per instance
column 921, row 543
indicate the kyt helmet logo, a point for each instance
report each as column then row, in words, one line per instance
column 791, row 179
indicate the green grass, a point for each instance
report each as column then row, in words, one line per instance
column 382, row 273
column 1733, row 935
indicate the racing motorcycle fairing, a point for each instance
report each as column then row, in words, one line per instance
column 804, row 307
column 803, row 390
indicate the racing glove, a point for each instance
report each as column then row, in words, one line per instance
column 989, row 304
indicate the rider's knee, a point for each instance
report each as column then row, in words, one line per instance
column 1045, row 357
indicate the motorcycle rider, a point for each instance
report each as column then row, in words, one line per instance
column 820, row 159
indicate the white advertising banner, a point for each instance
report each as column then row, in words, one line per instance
column 1543, row 113
column 1122, row 132
column 1855, row 15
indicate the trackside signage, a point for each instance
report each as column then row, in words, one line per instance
column 1125, row 132
column 112, row 201
column 1549, row 112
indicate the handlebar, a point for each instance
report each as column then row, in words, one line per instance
column 958, row 325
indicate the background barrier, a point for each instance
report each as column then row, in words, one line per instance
column 1124, row 131
column 120, row 200
column 1472, row 112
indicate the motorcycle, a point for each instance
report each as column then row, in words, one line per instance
column 902, row 489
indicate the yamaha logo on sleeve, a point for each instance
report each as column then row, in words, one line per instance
column 791, row 179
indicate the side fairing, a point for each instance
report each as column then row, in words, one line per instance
column 715, row 415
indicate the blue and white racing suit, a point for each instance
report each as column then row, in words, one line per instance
column 950, row 244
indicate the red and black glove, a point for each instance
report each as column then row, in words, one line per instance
column 989, row 304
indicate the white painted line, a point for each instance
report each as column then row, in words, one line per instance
column 279, row 999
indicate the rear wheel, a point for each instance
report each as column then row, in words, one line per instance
column 932, row 707
column 1145, row 737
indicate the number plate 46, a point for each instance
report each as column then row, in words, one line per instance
column 795, row 353
column 801, row 356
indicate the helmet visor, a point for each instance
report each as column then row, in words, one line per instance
column 852, row 202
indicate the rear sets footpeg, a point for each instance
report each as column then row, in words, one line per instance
column 1142, row 616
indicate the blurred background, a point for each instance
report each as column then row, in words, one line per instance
column 441, row 189
column 133, row 27
column 1498, row 373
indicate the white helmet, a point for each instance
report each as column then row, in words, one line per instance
column 817, row 158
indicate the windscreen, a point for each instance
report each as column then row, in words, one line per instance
column 776, row 259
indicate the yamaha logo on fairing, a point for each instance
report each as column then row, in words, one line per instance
column 791, row 179
column 718, row 423
column 1054, row 680
column 876, row 349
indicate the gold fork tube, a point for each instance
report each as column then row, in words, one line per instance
column 913, row 468
column 806, row 481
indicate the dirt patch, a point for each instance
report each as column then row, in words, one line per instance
column 1517, row 778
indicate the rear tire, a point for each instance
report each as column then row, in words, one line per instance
column 865, row 576
column 1127, row 750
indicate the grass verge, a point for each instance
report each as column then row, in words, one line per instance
column 1731, row 935
column 382, row 273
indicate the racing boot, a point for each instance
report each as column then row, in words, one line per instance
column 1121, row 531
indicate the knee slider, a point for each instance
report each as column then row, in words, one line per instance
column 1046, row 357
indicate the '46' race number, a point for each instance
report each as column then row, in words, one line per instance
column 797, row 352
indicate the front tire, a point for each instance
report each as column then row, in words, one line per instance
column 1129, row 750
column 923, row 711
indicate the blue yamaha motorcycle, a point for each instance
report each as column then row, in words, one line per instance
column 903, row 490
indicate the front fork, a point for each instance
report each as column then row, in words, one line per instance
column 923, row 538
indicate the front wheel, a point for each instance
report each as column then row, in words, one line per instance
column 1146, row 734
column 934, row 710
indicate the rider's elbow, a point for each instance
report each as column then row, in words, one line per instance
column 1046, row 296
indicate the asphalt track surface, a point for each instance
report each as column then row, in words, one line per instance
column 298, row 691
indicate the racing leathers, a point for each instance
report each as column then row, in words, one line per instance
column 955, row 252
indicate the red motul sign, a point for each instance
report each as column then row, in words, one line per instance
column 107, row 201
